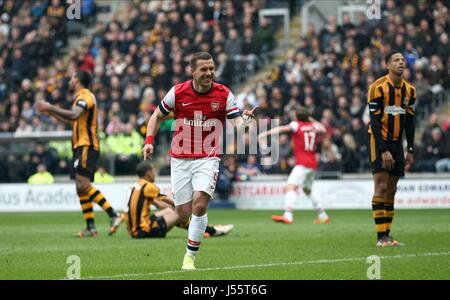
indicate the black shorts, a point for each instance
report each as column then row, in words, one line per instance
column 158, row 228
column 84, row 162
column 396, row 150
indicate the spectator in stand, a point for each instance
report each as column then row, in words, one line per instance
column 435, row 149
column 101, row 176
column 227, row 175
column 150, row 45
column 330, row 158
column 233, row 45
column 249, row 169
column 433, row 123
column 350, row 155
column 40, row 155
column 446, row 126
column 436, row 74
column 42, row 176
column 24, row 127
column 56, row 14
column 264, row 35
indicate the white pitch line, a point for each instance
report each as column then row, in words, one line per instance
column 297, row 263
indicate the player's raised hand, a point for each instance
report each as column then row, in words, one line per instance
column 147, row 151
column 248, row 116
column 250, row 113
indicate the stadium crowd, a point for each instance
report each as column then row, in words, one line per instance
column 330, row 70
column 136, row 57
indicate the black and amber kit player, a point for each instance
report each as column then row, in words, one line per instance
column 391, row 103
column 85, row 146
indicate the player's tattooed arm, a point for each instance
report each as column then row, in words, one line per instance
column 61, row 119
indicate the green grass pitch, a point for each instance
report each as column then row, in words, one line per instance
column 36, row 246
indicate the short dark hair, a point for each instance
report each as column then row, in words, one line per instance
column 143, row 167
column 303, row 114
column 388, row 57
column 199, row 56
column 85, row 78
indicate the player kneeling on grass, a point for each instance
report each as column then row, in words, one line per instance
column 143, row 224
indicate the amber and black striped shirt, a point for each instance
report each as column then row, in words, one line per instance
column 85, row 127
column 139, row 203
column 391, row 104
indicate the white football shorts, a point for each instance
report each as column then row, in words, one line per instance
column 302, row 176
column 189, row 175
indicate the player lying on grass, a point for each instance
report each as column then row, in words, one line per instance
column 142, row 223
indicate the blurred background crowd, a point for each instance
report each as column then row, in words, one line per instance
column 136, row 56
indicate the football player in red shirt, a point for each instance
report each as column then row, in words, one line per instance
column 200, row 107
column 303, row 134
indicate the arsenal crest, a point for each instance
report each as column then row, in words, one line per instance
column 215, row 106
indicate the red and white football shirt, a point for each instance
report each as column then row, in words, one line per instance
column 200, row 119
column 304, row 140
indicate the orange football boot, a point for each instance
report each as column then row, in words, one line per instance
column 282, row 219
